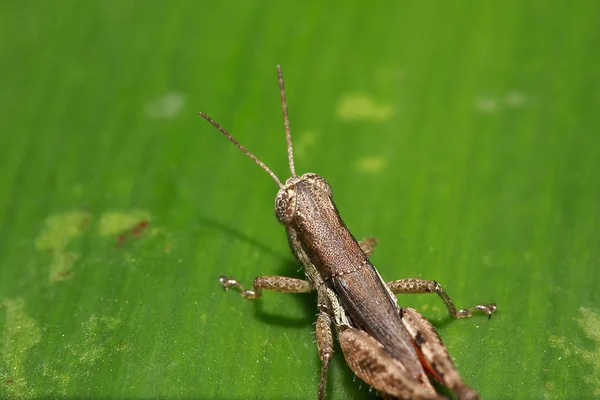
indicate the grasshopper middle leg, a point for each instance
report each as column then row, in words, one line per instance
column 275, row 283
column 323, row 333
column 324, row 338
column 417, row 285
column 368, row 245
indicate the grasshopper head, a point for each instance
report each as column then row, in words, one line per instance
column 285, row 202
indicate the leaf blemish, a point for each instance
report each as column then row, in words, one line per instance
column 167, row 107
column 361, row 107
column 21, row 332
column 118, row 222
column 59, row 230
column 590, row 323
column 135, row 231
column 372, row 164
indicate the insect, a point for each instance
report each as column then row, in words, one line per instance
column 392, row 348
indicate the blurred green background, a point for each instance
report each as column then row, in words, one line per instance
column 465, row 136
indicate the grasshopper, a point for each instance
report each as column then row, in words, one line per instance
column 394, row 349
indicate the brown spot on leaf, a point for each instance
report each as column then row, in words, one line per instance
column 136, row 231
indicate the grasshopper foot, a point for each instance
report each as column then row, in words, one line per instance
column 228, row 282
column 487, row 309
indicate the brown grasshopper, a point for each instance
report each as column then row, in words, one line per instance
column 392, row 348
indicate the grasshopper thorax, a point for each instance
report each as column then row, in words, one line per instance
column 285, row 202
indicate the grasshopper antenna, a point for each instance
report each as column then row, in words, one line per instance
column 286, row 122
column 242, row 148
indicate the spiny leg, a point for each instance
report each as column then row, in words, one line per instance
column 367, row 245
column 417, row 285
column 275, row 283
column 435, row 355
column 367, row 358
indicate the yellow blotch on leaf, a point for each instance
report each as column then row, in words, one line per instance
column 21, row 332
column 115, row 222
column 590, row 323
column 356, row 107
column 59, row 230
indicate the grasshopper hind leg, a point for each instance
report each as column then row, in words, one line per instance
column 374, row 365
column 434, row 354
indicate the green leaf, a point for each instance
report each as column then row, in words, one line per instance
column 465, row 136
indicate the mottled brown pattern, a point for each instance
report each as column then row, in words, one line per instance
column 371, row 363
column 275, row 283
column 340, row 260
column 282, row 284
column 435, row 354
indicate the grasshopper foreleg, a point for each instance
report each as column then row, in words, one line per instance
column 436, row 359
column 274, row 283
column 417, row 285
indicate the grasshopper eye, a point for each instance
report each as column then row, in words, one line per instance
column 285, row 205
